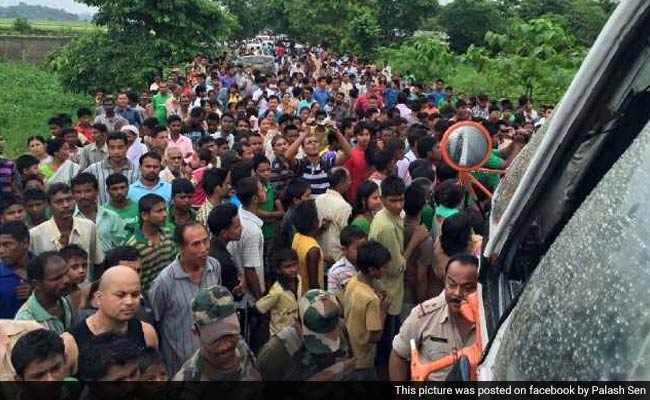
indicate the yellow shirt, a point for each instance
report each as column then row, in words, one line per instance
column 302, row 244
column 362, row 316
column 282, row 304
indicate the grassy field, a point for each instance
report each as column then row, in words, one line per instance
column 29, row 97
column 62, row 28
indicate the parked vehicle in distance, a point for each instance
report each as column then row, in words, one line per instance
column 264, row 64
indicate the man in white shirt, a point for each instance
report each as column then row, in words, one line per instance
column 333, row 208
column 248, row 255
column 64, row 229
column 415, row 133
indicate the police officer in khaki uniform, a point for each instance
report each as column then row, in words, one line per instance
column 436, row 324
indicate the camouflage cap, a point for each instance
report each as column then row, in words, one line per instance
column 213, row 310
column 320, row 316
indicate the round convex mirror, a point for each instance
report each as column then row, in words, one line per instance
column 466, row 146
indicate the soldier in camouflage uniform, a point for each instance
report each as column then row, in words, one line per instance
column 223, row 356
column 315, row 349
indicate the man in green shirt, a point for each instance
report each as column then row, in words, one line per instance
column 117, row 186
column 47, row 305
column 158, row 103
column 388, row 229
column 110, row 227
column 181, row 211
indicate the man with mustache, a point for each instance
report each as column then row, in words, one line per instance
column 64, row 228
column 48, row 304
column 223, row 355
column 172, row 292
column 118, row 301
column 150, row 182
column 436, row 324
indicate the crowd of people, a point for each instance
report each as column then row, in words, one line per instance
column 231, row 225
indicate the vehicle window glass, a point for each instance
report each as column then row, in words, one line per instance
column 585, row 313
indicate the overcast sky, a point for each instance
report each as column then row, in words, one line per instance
column 68, row 5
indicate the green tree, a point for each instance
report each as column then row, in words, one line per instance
column 253, row 16
column 174, row 28
column 94, row 60
column 21, row 25
column 534, row 55
column 363, row 32
column 141, row 38
column 467, row 21
column 582, row 18
column 318, row 22
column 426, row 58
column 399, row 18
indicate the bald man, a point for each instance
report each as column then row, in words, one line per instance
column 118, row 301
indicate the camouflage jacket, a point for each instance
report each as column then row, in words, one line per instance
column 246, row 370
column 285, row 358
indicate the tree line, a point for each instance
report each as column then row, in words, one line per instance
column 527, row 46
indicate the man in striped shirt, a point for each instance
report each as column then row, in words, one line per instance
column 314, row 168
column 156, row 248
column 115, row 163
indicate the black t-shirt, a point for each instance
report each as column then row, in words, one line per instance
column 84, row 337
column 229, row 272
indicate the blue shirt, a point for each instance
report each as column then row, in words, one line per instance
column 235, row 200
column 163, row 189
column 390, row 98
column 436, row 96
column 321, row 96
column 129, row 114
column 9, row 302
column 304, row 104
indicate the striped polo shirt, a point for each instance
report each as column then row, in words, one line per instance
column 154, row 257
column 316, row 175
column 103, row 169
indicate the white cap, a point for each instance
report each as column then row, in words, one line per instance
column 130, row 128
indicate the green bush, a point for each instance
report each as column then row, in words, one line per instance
column 96, row 60
column 21, row 25
column 29, row 97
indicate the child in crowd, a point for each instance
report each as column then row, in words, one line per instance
column 297, row 191
column 77, row 260
column 364, row 309
column 36, row 207
column 310, row 254
column 341, row 271
column 11, row 208
column 34, row 182
column 449, row 198
column 282, row 300
column 151, row 366
column 271, row 211
column 200, row 161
